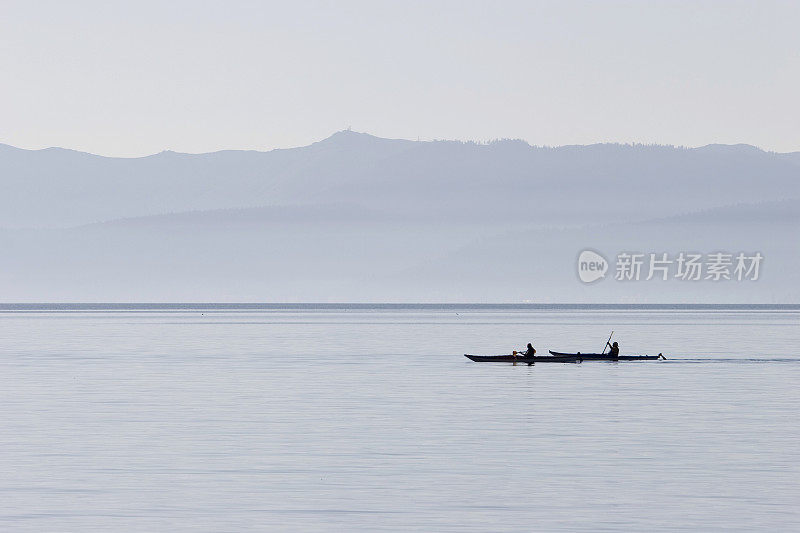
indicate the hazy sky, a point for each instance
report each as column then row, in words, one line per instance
column 134, row 78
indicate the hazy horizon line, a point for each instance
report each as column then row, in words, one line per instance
column 104, row 306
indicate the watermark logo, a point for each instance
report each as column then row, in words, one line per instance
column 684, row 266
column 591, row 266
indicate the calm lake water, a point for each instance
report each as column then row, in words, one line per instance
column 359, row 419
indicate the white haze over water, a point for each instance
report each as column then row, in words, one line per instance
column 358, row 419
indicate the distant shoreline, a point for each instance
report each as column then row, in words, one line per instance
column 184, row 306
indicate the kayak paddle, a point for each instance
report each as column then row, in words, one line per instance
column 609, row 340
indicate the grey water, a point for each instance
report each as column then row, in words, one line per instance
column 369, row 418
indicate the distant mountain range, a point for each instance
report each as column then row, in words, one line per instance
column 360, row 218
column 439, row 180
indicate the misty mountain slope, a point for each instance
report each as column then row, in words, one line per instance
column 779, row 212
column 57, row 188
column 322, row 215
column 358, row 218
column 541, row 264
column 451, row 180
column 299, row 262
column 510, row 178
column 792, row 157
column 339, row 253
column 266, row 218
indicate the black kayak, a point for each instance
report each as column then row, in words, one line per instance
column 510, row 358
column 607, row 356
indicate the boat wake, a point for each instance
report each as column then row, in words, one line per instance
column 734, row 360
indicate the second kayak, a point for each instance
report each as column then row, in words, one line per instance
column 607, row 356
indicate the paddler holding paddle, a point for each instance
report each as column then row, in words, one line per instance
column 530, row 352
column 614, row 351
